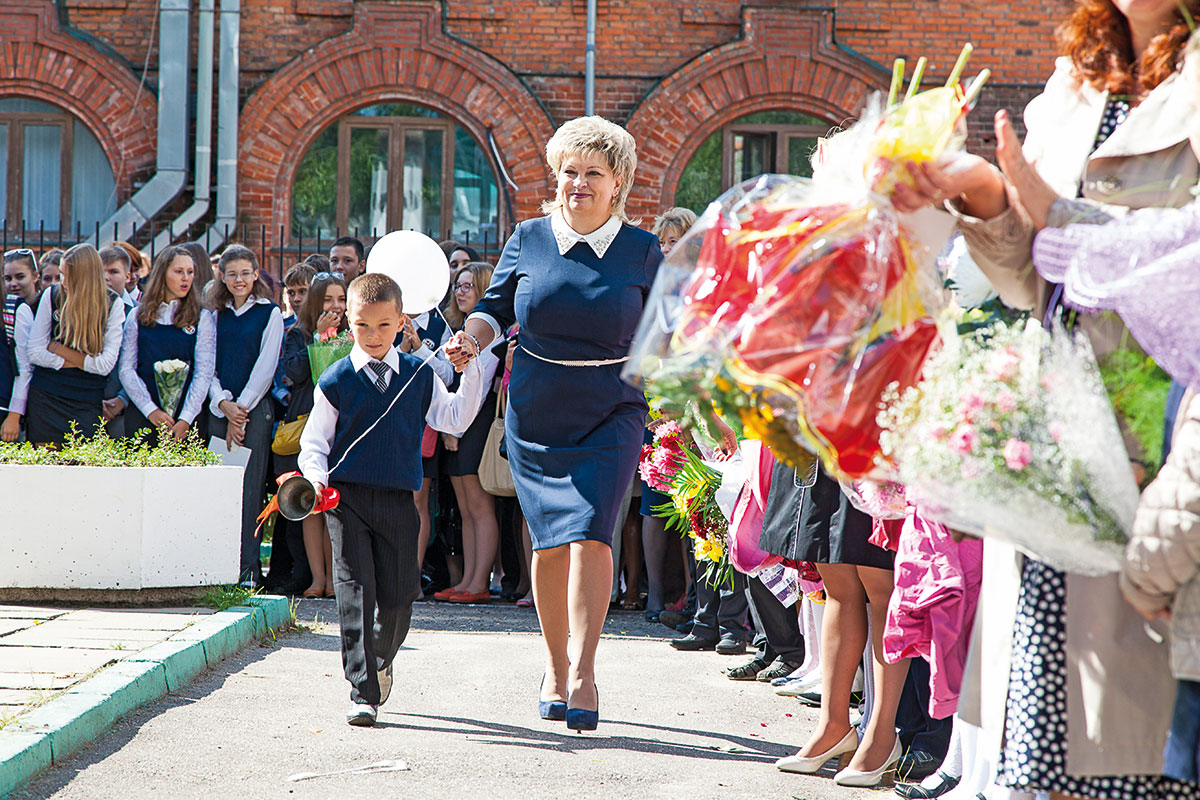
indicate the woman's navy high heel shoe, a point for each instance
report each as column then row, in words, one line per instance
column 551, row 709
column 579, row 719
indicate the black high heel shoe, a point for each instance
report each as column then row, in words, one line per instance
column 550, row 709
column 579, row 719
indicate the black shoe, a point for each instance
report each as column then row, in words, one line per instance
column 684, row 627
column 730, row 646
column 916, row 765
column 776, row 669
column 673, row 619
column 918, row 792
column 747, row 671
column 693, row 642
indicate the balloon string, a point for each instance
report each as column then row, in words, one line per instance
column 388, row 409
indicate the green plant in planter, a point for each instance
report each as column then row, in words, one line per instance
column 103, row 451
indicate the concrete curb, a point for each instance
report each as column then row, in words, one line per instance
column 68, row 723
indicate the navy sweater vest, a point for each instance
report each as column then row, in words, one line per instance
column 239, row 339
column 163, row 343
column 76, row 384
column 390, row 456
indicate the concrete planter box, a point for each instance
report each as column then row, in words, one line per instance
column 127, row 528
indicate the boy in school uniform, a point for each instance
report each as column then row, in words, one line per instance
column 373, row 459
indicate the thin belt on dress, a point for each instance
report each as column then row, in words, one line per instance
column 604, row 363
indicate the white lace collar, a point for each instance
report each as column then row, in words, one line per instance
column 599, row 239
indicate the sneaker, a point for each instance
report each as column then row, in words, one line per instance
column 776, row 669
column 793, row 686
column 385, row 683
column 361, row 715
column 730, row 646
column 747, row 671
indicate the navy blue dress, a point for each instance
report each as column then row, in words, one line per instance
column 573, row 432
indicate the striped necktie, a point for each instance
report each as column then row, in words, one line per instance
column 381, row 371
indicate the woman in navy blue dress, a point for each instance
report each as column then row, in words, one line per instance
column 576, row 281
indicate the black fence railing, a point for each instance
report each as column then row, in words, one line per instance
column 277, row 251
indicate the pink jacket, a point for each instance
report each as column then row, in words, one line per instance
column 746, row 523
column 932, row 609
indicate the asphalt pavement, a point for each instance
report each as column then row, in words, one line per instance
column 461, row 723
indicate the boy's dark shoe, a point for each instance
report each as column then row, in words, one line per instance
column 731, row 646
column 747, row 671
column 694, row 642
column 673, row 619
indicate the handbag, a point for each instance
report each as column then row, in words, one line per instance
column 287, row 437
column 495, row 475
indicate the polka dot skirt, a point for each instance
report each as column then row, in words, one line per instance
column 1035, row 750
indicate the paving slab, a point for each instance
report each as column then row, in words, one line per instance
column 31, row 612
column 8, row 626
column 53, row 660
column 166, row 619
column 54, row 635
column 35, row 680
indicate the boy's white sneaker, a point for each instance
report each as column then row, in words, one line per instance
column 385, row 683
column 794, row 687
column 361, row 714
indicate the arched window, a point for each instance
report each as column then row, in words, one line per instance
column 395, row 166
column 766, row 141
column 55, row 174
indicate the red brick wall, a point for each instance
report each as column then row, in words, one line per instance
column 674, row 72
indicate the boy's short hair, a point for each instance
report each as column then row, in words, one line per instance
column 299, row 275
column 375, row 287
column 349, row 241
column 112, row 253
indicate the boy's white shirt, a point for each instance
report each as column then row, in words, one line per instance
column 448, row 412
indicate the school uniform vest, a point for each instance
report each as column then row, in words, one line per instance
column 163, row 343
column 390, row 456
column 432, row 333
column 69, row 382
column 239, row 339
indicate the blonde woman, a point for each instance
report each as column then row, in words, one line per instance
column 73, row 346
column 576, row 280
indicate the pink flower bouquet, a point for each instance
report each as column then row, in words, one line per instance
column 1010, row 434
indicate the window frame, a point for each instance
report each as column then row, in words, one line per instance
column 783, row 133
column 15, row 184
column 396, row 128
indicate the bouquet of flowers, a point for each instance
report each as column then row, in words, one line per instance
column 794, row 303
column 170, row 378
column 326, row 348
column 1010, row 434
column 671, row 464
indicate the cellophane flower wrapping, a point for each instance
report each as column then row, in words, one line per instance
column 793, row 303
column 170, row 378
column 1010, row 434
column 327, row 348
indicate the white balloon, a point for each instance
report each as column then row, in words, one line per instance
column 417, row 264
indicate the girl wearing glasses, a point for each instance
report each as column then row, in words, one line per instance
column 169, row 324
column 238, row 403
column 73, row 346
column 324, row 308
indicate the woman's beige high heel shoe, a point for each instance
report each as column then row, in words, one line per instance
column 806, row 766
column 853, row 777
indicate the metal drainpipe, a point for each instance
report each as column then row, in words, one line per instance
column 589, row 64
column 227, row 126
column 171, row 159
column 202, row 180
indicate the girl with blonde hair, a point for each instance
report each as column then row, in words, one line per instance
column 73, row 346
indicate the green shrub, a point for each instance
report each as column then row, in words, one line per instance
column 103, row 451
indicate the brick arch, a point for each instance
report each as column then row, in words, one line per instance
column 391, row 54
column 38, row 60
column 785, row 59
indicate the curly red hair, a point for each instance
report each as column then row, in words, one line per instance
column 1096, row 38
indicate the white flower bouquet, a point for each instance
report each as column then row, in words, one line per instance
column 1010, row 434
column 170, row 378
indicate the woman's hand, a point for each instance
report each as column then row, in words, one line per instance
column 728, row 443
column 327, row 320
column 975, row 183
column 180, row 430
column 1026, row 188
column 508, row 356
column 161, row 419
column 71, row 358
column 450, row 442
column 235, row 436
column 11, row 428
column 235, row 413
column 460, row 349
column 112, row 408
